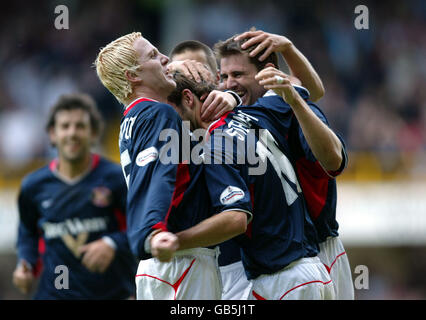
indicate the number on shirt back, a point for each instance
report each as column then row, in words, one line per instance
column 125, row 161
column 267, row 147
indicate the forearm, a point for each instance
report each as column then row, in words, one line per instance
column 120, row 240
column 325, row 145
column 27, row 247
column 301, row 68
column 214, row 230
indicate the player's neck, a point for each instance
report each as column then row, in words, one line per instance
column 147, row 93
column 73, row 169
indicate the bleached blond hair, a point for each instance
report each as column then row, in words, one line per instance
column 112, row 63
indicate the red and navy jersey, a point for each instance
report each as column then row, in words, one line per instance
column 281, row 230
column 318, row 185
column 165, row 190
column 63, row 215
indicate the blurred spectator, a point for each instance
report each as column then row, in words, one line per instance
column 374, row 78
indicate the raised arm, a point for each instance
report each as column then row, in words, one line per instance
column 325, row 145
column 299, row 65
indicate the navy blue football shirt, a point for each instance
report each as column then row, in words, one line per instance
column 59, row 216
column 281, row 230
column 319, row 186
column 166, row 190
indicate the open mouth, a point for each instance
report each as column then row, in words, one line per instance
column 242, row 95
column 73, row 145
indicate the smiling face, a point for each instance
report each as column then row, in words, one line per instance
column 72, row 135
column 152, row 71
column 237, row 74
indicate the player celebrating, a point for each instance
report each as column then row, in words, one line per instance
column 276, row 256
column 235, row 284
column 75, row 208
column 239, row 60
column 166, row 193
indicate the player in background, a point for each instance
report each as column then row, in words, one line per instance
column 238, row 66
column 166, row 191
column 199, row 53
column 74, row 210
column 277, row 259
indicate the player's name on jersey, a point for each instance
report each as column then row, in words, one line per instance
column 232, row 142
column 240, row 125
column 74, row 226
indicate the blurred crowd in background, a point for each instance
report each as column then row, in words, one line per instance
column 375, row 82
column 374, row 78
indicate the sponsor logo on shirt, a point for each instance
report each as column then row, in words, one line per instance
column 230, row 195
column 74, row 227
column 146, row 156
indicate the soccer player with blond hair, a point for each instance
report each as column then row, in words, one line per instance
column 165, row 194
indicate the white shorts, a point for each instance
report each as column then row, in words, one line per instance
column 333, row 255
column 303, row 279
column 192, row 274
column 235, row 283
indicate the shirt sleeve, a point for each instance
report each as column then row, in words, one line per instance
column 154, row 165
column 119, row 237
column 307, row 152
column 28, row 235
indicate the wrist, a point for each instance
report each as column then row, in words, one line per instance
column 147, row 244
column 288, row 48
column 22, row 263
column 236, row 97
column 109, row 242
column 294, row 100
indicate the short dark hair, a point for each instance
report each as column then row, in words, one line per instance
column 194, row 45
column 231, row 47
column 75, row 101
column 197, row 88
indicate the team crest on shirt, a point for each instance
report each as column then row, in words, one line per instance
column 230, row 195
column 101, row 197
column 146, row 156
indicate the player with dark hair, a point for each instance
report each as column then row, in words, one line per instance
column 277, row 258
column 73, row 211
column 242, row 56
column 234, row 281
column 239, row 71
column 199, row 52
